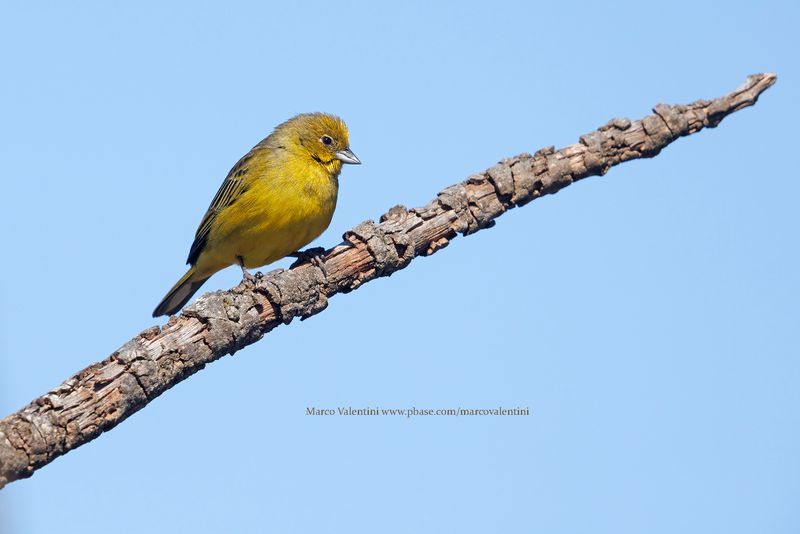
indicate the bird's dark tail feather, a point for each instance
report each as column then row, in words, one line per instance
column 179, row 294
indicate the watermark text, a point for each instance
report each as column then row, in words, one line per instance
column 416, row 412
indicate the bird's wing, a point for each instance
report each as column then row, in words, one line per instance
column 231, row 189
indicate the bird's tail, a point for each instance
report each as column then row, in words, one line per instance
column 180, row 293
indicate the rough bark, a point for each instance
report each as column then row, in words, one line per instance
column 101, row 396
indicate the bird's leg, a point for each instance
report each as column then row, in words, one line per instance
column 246, row 276
column 311, row 255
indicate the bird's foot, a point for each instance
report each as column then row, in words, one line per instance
column 311, row 255
column 247, row 276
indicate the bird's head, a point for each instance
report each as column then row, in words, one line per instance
column 321, row 137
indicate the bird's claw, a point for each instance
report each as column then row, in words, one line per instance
column 247, row 277
column 311, row 255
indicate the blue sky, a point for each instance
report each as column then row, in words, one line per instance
column 648, row 318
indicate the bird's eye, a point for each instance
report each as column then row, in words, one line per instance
column 326, row 140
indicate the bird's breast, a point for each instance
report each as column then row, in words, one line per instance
column 276, row 216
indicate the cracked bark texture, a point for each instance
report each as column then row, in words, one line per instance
column 104, row 394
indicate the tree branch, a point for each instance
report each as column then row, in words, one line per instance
column 222, row 322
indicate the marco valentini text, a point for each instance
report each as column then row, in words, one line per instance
column 413, row 411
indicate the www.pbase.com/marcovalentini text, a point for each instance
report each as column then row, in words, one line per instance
column 413, row 412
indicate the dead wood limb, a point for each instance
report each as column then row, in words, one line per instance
column 222, row 322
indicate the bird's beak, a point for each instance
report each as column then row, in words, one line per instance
column 347, row 156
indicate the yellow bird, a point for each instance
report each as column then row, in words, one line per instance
column 278, row 198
